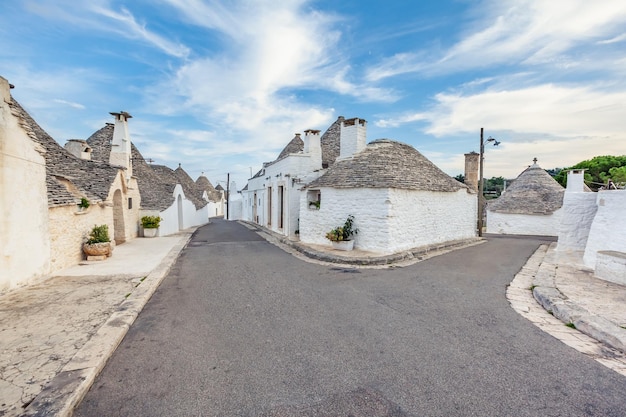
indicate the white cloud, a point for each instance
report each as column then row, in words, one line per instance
column 69, row 103
column 531, row 32
column 100, row 15
column 544, row 109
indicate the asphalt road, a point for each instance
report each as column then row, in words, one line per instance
column 241, row 328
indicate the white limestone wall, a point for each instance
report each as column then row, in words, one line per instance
column 608, row 228
column 578, row 211
column 366, row 205
column 24, row 229
column 69, row 229
column 421, row 218
column 182, row 214
column 524, row 224
column 215, row 209
column 235, row 207
column 390, row 220
column 291, row 173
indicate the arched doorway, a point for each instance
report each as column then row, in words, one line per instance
column 119, row 230
column 180, row 212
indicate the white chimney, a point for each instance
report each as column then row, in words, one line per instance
column 79, row 148
column 353, row 137
column 120, row 145
column 313, row 147
column 575, row 180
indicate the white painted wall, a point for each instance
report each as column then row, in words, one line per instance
column 524, row 224
column 390, row 220
column 292, row 173
column 608, row 229
column 188, row 213
column 578, row 211
column 24, row 229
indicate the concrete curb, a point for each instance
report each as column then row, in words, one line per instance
column 65, row 391
column 555, row 302
column 415, row 254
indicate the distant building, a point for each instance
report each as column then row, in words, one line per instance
column 531, row 205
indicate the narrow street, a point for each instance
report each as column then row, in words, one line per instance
column 241, row 328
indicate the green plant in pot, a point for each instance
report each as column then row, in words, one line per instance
column 150, row 225
column 340, row 236
column 99, row 243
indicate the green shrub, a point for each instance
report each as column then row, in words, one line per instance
column 151, row 222
column 84, row 203
column 99, row 234
column 344, row 232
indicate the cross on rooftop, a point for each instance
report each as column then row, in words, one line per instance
column 535, row 160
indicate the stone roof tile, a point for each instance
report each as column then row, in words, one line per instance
column 91, row 179
column 534, row 191
column 385, row 163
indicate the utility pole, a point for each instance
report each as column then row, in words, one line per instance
column 480, row 185
column 227, row 194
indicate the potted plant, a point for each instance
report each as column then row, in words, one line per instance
column 84, row 204
column 341, row 237
column 150, row 225
column 99, row 244
column 314, row 205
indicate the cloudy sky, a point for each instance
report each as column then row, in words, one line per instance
column 222, row 86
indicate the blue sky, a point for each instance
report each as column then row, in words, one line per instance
column 222, row 86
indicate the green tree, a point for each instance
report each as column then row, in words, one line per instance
column 597, row 170
column 460, row 178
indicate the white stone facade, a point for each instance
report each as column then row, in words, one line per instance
column 390, row 220
column 25, row 248
column 608, row 230
column 273, row 198
column 182, row 214
column 578, row 211
column 524, row 224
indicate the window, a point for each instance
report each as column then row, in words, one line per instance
column 130, row 203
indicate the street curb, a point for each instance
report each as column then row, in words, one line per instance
column 416, row 254
column 556, row 303
column 64, row 392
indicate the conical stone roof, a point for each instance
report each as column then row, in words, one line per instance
column 296, row 145
column 385, row 163
column 534, row 191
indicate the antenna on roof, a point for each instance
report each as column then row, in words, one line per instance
column 150, row 160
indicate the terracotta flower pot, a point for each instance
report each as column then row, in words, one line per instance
column 98, row 249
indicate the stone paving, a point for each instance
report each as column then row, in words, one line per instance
column 49, row 327
column 580, row 288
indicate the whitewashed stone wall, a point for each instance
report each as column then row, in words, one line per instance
column 578, row 211
column 607, row 231
column 291, row 173
column 182, row 214
column 24, row 229
column 419, row 218
column 524, row 224
column 389, row 220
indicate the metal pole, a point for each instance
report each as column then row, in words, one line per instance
column 480, row 185
column 227, row 195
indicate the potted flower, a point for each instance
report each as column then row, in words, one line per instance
column 150, row 225
column 99, row 244
column 341, row 237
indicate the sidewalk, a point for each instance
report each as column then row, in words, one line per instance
column 57, row 335
column 556, row 292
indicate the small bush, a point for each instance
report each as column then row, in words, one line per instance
column 99, row 234
column 151, row 222
column 84, row 203
column 344, row 232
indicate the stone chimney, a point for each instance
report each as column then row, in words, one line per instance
column 353, row 137
column 79, row 148
column 5, row 90
column 472, row 162
column 575, row 181
column 313, row 147
column 120, row 145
